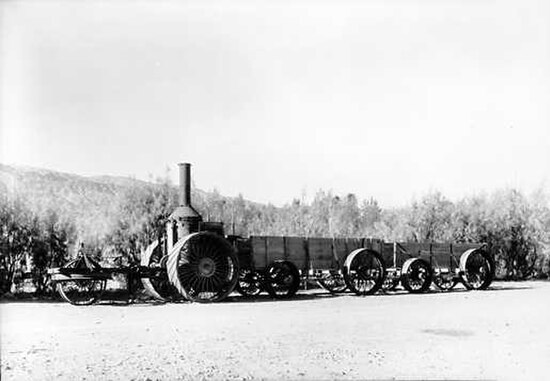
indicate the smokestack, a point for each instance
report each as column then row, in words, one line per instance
column 184, row 220
column 185, row 184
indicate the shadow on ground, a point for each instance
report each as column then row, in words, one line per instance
column 121, row 298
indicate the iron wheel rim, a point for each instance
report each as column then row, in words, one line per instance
column 204, row 267
column 81, row 292
column 282, row 279
column 159, row 278
column 364, row 272
column 477, row 271
column 249, row 283
column 417, row 275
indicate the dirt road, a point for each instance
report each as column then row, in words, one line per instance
column 502, row 333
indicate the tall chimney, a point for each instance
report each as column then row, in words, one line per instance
column 184, row 220
column 185, row 184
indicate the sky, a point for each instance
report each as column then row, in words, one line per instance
column 278, row 99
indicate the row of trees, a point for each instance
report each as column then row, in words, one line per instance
column 30, row 243
column 516, row 227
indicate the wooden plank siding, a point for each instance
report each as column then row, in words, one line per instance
column 267, row 249
column 320, row 253
column 327, row 253
column 296, row 252
column 258, row 245
column 353, row 244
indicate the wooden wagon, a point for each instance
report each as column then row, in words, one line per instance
column 417, row 265
column 279, row 264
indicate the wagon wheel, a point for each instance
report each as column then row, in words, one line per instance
column 391, row 281
column 476, row 269
column 416, row 275
column 157, row 285
column 444, row 281
column 282, row 279
column 203, row 267
column 249, row 283
column 364, row 271
column 332, row 281
column 81, row 292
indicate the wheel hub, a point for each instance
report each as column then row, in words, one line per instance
column 206, row 267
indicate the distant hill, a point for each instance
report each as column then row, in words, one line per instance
column 87, row 201
column 90, row 202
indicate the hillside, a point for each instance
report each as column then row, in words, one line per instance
column 87, row 201
column 92, row 203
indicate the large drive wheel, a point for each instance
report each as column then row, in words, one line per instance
column 249, row 283
column 416, row 275
column 203, row 267
column 81, row 292
column 444, row 279
column 332, row 281
column 364, row 271
column 282, row 279
column 157, row 285
column 476, row 269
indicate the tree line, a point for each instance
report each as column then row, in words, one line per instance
column 30, row 243
column 516, row 227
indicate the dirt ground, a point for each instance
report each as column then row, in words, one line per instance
column 502, row 333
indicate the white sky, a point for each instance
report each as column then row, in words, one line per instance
column 388, row 99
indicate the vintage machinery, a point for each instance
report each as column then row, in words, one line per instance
column 195, row 261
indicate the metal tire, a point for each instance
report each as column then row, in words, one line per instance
column 249, row 283
column 416, row 275
column 159, row 287
column 203, row 267
column 81, row 292
column 364, row 271
column 477, row 269
column 282, row 279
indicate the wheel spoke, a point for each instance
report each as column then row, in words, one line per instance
column 476, row 270
column 416, row 276
column 210, row 275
